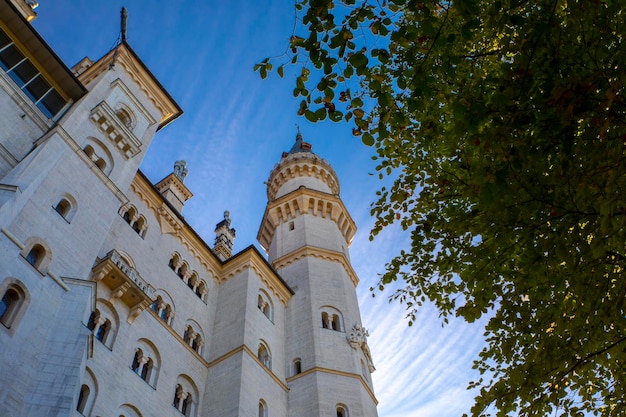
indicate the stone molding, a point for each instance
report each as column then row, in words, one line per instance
column 298, row 202
column 335, row 372
column 319, row 253
column 301, row 164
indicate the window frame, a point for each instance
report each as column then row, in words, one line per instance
column 41, row 102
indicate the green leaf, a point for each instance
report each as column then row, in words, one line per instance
column 368, row 140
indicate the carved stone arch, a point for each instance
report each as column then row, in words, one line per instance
column 186, row 395
column 150, row 352
column 167, row 298
column 90, row 380
column 108, row 311
column 196, row 327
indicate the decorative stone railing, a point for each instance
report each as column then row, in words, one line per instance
column 125, row 283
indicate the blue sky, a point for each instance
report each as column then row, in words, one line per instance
column 234, row 130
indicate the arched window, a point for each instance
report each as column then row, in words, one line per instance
column 142, row 365
column 124, row 116
column 103, row 326
column 103, row 331
column 332, row 319
column 297, row 366
column 174, row 262
column 184, row 395
column 193, row 280
column 93, row 318
column 63, row 207
column 182, row 270
column 36, row 255
column 95, row 158
column 201, row 291
column 146, row 370
column 167, row 314
column 146, row 362
column 262, row 408
column 186, row 407
column 83, row 396
column 342, row 411
column 9, row 306
column 136, row 365
column 264, row 355
column 265, row 304
column 325, row 320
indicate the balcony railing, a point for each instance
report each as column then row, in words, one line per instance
column 125, row 282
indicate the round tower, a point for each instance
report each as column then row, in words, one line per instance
column 307, row 231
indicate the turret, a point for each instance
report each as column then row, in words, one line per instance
column 307, row 231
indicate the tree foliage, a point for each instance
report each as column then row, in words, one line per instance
column 502, row 125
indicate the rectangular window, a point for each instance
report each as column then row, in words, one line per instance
column 29, row 79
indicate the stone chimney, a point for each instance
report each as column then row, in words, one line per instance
column 224, row 238
column 172, row 188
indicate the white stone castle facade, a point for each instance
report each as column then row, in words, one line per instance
column 111, row 304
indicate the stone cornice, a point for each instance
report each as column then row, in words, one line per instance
column 301, row 164
column 174, row 182
column 320, row 253
column 335, row 372
column 125, row 57
column 298, row 202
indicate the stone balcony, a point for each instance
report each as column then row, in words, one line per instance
column 124, row 282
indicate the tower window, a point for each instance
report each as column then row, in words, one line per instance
column 264, row 355
column 262, row 408
column 297, row 366
column 291, row 226
column 83, row 396
column 342, row 411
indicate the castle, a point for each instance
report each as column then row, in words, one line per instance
column 112, row 305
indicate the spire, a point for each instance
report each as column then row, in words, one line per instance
column 299, row 146
column 224, row 238
column 123, row 28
